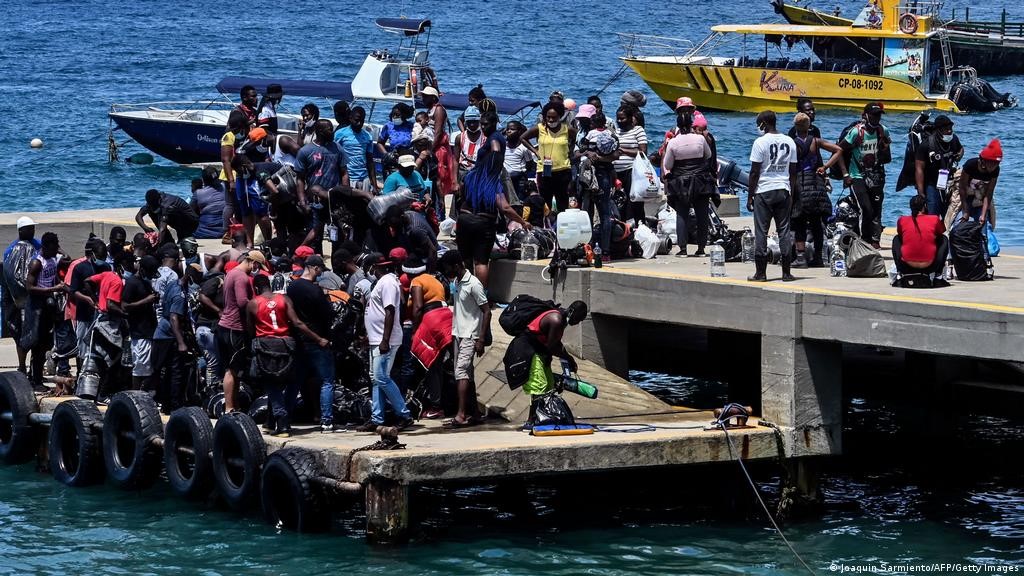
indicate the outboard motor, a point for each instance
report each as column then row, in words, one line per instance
column 730, row 175
column 972, row 94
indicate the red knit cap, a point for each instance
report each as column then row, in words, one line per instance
column 993, row 152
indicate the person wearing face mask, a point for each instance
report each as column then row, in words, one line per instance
column 468, row 144
column 233, row 138
column 632, row 141
column 309, row 114
column 266, row 112
column 935, row 162
column 684, row 168
column 314, row 355
column 397, row 133
column 232, row 342
column 357, row 144
column 519, row 155
column 252, row 209
column 250, row 99
column 869, row 145
column 555, row 145
column 437, row 127
column 773, row 173
column 319, row 163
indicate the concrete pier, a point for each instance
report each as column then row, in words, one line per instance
column 793, row 335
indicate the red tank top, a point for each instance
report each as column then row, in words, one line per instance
column 271, row 316
column 534, row 327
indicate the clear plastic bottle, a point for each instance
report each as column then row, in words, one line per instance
column 837, row 262
column 717, row 256
column 747, row 241
column 949, row 273
column 529, row 247
column 597, row 256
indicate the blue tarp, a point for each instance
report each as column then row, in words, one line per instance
column 309, row 88
column 407, row 26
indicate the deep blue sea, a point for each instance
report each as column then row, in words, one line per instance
column 64, row 62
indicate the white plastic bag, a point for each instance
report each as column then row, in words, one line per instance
column 648, row 240
column 645, row 184
column 667, row 223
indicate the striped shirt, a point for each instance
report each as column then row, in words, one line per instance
column 631, row 139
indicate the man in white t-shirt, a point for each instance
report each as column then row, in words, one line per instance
column 773, row 169
column 472, row 316
column 384, row 332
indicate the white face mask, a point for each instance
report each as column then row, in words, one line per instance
column 760, row 129
column 309, row 123
column 946, row 137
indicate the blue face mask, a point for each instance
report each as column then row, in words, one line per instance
column 453, row 286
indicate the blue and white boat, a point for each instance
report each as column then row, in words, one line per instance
column 190, row 132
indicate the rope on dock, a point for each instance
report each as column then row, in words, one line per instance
column 753, row 486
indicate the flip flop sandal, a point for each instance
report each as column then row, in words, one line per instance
column 453, row 424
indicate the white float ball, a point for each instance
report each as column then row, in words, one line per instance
column 36, row 143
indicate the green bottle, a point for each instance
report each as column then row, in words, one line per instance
column 585, row 389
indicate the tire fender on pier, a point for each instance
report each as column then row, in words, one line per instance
column 74, row 443
column 18, row 437
column 289, row 492
column 188, row 442
column 130, row 425
column 238, row 456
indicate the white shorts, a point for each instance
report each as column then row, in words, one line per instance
column 142, row 357
column 465, row 349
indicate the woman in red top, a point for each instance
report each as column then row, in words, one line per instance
column 920, row 247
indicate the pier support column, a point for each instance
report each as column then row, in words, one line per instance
column 387, row 512
column 603, row 340
column 801, row 389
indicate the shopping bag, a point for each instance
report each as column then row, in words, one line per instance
column 645, row 184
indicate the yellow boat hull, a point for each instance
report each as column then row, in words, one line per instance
column 741, row 89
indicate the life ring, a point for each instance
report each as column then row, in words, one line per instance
column 74, row 443
column 17, row 436
column 188, row 440
column 908, row 23
column 290, row 497
column 130, row 425
column 238, row 456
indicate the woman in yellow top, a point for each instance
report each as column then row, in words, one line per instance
column 555, row 143
column 234, row 135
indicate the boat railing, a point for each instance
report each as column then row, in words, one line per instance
column 634, row 45
column 182, row 106
column 920, row 8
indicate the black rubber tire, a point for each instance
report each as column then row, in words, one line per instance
column 190, row 475
column 290, row 497
column 130, row 424
column 74, row 443
column 18, row 438
column 238, row 456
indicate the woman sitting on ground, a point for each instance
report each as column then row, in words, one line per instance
column 920, row 247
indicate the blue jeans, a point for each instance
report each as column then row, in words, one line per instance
column 936, row 206
column 405, row 368
column 605, row 174
column 207, row 340
column 321, row 362
column 380, row 374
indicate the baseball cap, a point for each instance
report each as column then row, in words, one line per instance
column 257, row 134
column 398, row 254
column 25, row 221
column 586, row 111
column 874, row 107
column 303, row 252
column 941, row 121
column 472, row 113
column 315, row 260
column 407, row 161
column 257, row 257
column 429, row 91
column 684, row 101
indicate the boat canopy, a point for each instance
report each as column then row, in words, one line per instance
column 407, row 26
column 802, row 30
column 506, row 106
column 308, row 88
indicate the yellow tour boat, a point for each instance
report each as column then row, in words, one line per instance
column 894, row 63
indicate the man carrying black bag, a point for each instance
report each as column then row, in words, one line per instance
column 273, row 350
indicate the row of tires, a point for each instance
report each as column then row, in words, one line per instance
column 128, row 445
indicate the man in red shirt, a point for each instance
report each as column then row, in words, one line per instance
column 107, row 336
column 270, row 316
column 232, row 341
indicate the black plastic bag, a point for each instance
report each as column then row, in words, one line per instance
column 351, row 407
column 552, row 409
column 967, row 249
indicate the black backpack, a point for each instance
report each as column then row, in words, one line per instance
column 521, row 311
column 519, row 358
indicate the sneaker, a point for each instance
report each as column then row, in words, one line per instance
column 330, row 428
column 432, row 414
column 405, row 424
column 367, row 427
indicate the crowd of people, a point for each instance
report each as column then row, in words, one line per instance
column 335, row 275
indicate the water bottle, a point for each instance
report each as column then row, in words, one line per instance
column 949, row 273
column 717, row 256
column 575, row 385
column 529, row 248
column 597, row 256
column 837, row 263
column 748, row 244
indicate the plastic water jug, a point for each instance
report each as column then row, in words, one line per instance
column 717, row 257
column 747, row 241
column 573, row 228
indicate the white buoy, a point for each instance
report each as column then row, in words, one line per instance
column 36, row 143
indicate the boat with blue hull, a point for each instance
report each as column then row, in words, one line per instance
column 190, row 132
